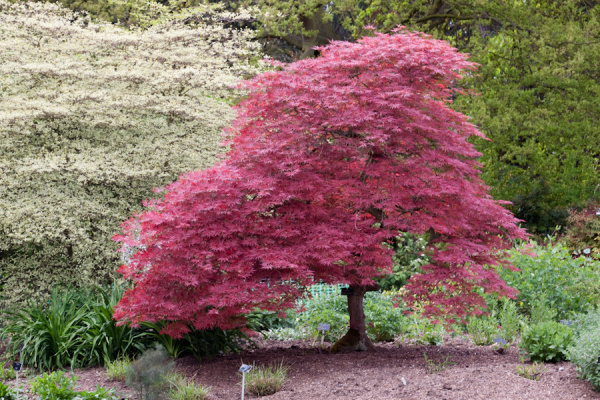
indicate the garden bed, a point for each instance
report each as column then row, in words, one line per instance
column 472, row 372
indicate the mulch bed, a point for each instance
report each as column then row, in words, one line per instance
column 395, row 371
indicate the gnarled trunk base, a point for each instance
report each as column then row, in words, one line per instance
column 356, row 338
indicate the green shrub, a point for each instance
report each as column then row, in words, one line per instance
column 6, row 392
column 547, row 341
column 583, row 352
column 54, row 386
column 509, row 321
column 267, row 380
column 328, row 308
column 6, row 374
column 299, row 332
column 483, row 330
column 407, row 261
column 422, row 331
column 569, row 285
column 260, row 320
column 385, row 321
column 147, row 375
column 540, row 311
column 212, row 342
column 99, row 394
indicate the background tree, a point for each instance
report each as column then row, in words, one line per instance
column 92, row 117
column 539, row 83
column 330, row 158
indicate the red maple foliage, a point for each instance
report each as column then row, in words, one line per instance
column 329, row 158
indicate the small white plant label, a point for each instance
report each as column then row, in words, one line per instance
column 324, row 327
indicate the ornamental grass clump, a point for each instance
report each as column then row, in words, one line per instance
column 266, row 380
column 116, row 370
column 182, row 388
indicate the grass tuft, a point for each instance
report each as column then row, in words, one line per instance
column 266, row 380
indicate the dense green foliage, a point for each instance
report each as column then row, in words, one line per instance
column 569, row 285
column 409, row 257
column 6, row 392
column 538, row 82
column 547, row 341
column 385, row 320
column 76, row 329
column 59, row 386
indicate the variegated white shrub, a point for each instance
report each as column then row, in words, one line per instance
column 92, row 117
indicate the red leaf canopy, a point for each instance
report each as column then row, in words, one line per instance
column 329, row 158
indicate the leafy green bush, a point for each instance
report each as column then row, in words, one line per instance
column 6, row 374
column 407, row 261
column 6, row 392
column 54, row 386
column 384, row 321
column 540, row 311
column 570, row 285
column 422, row 331
column 483, row 330
column 327, row 308
column 148, row 374
column 260, row 320
column 58, row 386
column 509, row 321
column 547, row 341
column 214, row 341
column 583, row 352
column 299, row 332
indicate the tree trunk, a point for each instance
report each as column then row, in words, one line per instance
column 356, row 338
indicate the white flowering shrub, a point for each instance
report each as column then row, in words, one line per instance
column 92, row 118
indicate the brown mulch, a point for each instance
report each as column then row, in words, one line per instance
column 395, row 371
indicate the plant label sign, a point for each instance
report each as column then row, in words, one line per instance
column 245, row 368
column 324, row 327
column 16, row 366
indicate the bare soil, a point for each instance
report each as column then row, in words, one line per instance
column 394, row 371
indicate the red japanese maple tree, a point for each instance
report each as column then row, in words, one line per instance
column 330, row 157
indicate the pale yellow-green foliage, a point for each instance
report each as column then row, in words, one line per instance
column 92, row 117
